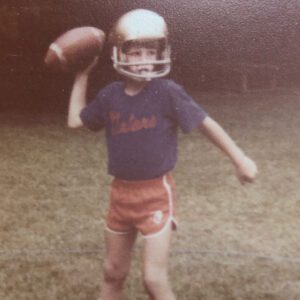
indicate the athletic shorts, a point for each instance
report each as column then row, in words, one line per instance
column 146, row 206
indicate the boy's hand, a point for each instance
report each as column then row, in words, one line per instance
column 90, row 67
column 246, row 170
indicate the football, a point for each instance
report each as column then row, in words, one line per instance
column 75, row 49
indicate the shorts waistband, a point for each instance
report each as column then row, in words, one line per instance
column 140, row 183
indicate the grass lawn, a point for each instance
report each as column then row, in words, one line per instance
column 233, row 242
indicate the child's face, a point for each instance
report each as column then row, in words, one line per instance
column 141, row 54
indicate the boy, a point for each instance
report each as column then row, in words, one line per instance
column 141, row 116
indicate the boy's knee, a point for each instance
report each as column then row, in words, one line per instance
column 155, row 278
column 114, row 273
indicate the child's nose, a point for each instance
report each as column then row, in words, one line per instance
column 144, row 56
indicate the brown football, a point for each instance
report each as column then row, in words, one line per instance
column 75, row 49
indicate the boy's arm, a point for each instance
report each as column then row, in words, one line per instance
column 78, row 96
column 246, row 169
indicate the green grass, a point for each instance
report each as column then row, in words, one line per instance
column 233, row 242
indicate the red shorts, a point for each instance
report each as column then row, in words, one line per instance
column 146, row 206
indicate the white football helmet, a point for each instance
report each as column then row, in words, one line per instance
column 140, row 25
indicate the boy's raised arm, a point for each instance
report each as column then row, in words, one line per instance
column 246, row 169
column 78, row 96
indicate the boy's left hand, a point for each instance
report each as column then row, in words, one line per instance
column 246, row 170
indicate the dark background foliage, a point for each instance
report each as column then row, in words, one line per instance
column 215, row 45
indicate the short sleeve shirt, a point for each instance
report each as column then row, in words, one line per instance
column 141, row 130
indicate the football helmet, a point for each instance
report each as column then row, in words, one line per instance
column 140, row 25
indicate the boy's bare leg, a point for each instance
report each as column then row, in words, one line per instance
column 116, row 264
column 155, row 259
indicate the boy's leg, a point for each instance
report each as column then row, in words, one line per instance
column 155, row 259
column 116, row 263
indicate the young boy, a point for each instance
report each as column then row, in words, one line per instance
column 141, row 116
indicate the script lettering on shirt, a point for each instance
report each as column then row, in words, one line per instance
column 133, row 124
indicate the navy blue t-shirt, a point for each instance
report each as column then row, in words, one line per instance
column 141, row 130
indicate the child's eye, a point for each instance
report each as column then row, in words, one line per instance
column 134, row 53
column 152, row 52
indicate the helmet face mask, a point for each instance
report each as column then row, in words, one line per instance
column 146, row 29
